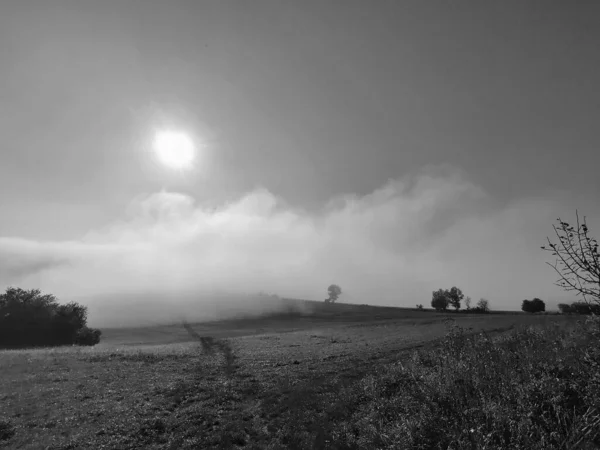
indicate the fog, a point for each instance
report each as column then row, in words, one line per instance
column 167, row 258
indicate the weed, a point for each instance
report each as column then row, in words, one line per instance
column 7, row 429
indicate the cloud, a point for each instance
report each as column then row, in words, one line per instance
column 22, row 257
column 393, row 246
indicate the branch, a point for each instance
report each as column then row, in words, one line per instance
column 568, row 265
column 569, row 248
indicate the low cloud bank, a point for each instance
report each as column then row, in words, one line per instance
column 169, row 257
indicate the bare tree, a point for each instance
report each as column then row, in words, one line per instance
column 483, row 305
column 577, row 259
column 468, row 302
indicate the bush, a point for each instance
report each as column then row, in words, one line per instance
column 585, row 308
column 30, row 319
column 87, row 336
column 7, row 430
column 533, row 306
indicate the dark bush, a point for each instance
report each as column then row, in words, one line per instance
column 7, row 430
column 533, row 306
column 585, row 308
column 87, row 336
column 30, row 319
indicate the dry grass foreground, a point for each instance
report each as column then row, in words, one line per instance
column 282, row 383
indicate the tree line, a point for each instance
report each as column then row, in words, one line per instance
column 29, row 318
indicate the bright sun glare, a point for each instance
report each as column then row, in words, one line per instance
column 174, row 149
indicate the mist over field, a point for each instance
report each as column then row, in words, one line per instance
column 168, row 256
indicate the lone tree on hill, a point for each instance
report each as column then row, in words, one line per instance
column 334, row 292
column 577, row 259
column 533, row 306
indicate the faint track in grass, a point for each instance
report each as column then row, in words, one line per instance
column 212, row 346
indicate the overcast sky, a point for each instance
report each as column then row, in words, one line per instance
column 392, row 147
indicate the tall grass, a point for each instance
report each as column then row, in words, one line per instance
column 536, row 388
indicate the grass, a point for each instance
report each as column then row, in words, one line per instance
column 343, row 378
column 535, row 388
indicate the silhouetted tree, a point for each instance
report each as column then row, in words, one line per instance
column 87, row 336
column 30, row 319
column 585, row 308
column 577, row 259
column 334, row 292
column 455, row 295
column 440, row 300
column 533, row 306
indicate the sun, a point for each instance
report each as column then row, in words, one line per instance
column 174, row 149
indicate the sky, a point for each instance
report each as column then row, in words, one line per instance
column 393, row 148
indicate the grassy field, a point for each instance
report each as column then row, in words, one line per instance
column 279, row 381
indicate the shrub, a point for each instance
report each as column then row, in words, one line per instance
column 585, row 308
column 579, row 308
column 30, row 319
column 87, row 336
column 533, row 306
column 7, row 430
